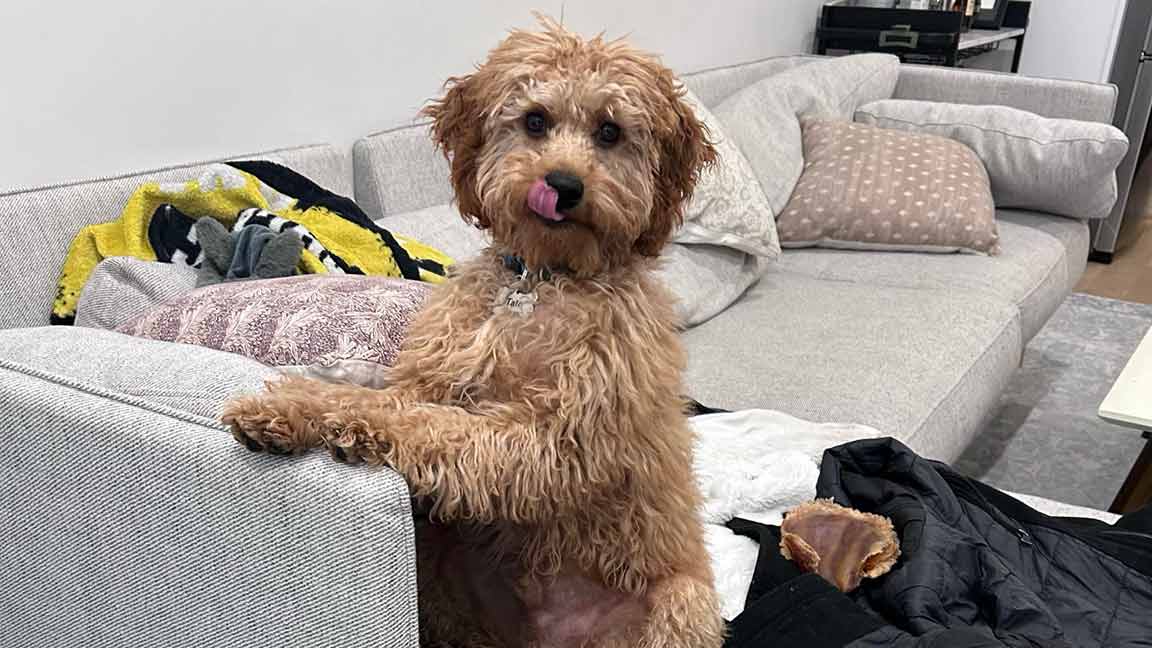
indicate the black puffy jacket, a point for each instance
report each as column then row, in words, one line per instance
column 978, row 569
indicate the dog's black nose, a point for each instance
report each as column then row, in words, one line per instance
column 569, row 188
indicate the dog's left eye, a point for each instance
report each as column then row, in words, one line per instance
column 608, row 134
column 536, row 124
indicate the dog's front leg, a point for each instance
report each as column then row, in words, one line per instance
column 285, row 418
column 487, row 465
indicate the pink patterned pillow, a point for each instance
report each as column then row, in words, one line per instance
column 340, row 327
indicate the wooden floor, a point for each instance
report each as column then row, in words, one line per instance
column 1129, row 276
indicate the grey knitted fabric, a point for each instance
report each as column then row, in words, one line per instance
column 130, row 523
column 180, row 376
column 122, row 287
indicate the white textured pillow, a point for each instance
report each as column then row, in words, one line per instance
column 728, row 208
column 706, row 279
column 1061, row 166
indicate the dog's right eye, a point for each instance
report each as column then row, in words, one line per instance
column 536, row 124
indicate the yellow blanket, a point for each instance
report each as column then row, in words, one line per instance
column 358, row 245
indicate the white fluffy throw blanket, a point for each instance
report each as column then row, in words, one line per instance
column 756, row 464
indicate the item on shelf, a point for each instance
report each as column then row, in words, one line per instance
column 968, row 9
column 990, row 14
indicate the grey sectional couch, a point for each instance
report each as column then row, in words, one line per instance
column 129, row 517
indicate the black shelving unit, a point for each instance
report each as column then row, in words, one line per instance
column 915, row 35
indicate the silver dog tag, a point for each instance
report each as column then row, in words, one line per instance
column 516, row 301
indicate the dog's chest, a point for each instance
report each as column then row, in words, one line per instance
column 519, row 350
column 500, row 353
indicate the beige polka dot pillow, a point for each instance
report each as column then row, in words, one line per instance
column 871, row 188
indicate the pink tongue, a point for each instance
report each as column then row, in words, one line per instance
column 542, row 200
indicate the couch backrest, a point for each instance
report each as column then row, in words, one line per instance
column 714, row 85
column 1054, row 98
column 400, row 170
column 38, row 225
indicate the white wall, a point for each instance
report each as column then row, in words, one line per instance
column 99, row 88
column 1072, row 39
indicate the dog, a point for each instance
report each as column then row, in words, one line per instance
column 535, row 409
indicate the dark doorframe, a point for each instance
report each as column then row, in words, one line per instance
column 1133, row 80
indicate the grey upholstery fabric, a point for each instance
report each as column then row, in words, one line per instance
column 183, row 377
column 325, row 165
column 1047, row 97
column 763, row 119
column 132, row 524
column 440, row 226
column 123, row 287
column 38, row 225
column 1032, row 270
column 1072, row 234
column 714, row 85
column 924, row 366
column 400, row 171
column 1061, row 166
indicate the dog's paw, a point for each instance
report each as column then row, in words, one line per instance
column 260, row 428
column 350, row 439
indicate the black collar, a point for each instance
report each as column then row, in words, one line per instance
column 515, row 263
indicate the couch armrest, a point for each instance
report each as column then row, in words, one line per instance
column 1047, row 97
column 128, row 523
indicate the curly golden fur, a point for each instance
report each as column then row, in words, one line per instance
column 549, row 448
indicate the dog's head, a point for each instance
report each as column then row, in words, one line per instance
column 575, row 153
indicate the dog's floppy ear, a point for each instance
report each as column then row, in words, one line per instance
column 457, row 128
column 685, row 150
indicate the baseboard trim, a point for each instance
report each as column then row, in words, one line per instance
column 1096, row 256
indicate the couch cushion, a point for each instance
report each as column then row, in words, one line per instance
column 1054, row 98
column 305, row 320
column 182, row 377
column 728, row 207
column 1062, row 166
column 1073, row 235
column 122, row 287
column 924, row 366
column 763, row 119
column 706, row 279
column 1032, row 270
column 38, row 225
column 867, row 188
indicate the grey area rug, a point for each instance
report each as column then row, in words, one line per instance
column 1045, row 439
